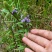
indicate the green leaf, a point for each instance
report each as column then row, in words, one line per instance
column 4, row 10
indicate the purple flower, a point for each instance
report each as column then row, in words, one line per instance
column 14, row 11
column 26, row 19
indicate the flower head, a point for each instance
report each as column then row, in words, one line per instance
column 14, row 11
column 26, row 19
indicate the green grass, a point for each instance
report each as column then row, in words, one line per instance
column 11, row 28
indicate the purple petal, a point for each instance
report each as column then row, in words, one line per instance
column 26, row 19
column 23, row 20
column 14, row 11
